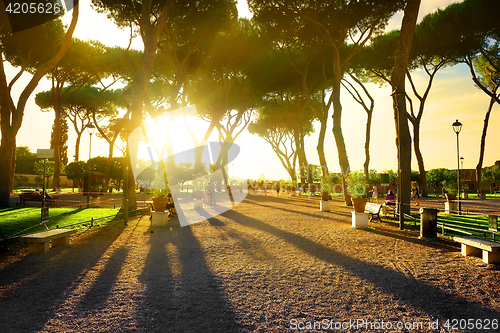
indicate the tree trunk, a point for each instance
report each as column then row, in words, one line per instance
column 8, row 153
column 303, row 167
column 479, row 166
column 109, row 162
column 309, row 175
column 140, row 82
column 57, row 144
column 198, row 146
column 77, row 145
column 339, row 138
column 321, row 147
column 398, row 84
column 420, row 159
column 15, row 113
column 366, row 165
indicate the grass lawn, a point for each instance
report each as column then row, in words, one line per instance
column 14, row 220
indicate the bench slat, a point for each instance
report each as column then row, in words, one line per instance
column 483, row 244
column 47, row 235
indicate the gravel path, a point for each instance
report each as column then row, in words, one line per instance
column 269, row 265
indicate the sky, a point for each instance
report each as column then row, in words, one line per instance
column 452, row 97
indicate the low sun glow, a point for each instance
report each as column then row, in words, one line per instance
column 180, row 128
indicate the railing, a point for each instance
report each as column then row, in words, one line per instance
column 462, row 229
column 92, row 220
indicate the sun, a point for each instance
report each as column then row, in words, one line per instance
column 177, row 132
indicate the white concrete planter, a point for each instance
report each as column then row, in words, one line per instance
column 359, row 220
column 450, row 207
column 198, row 204
column 324, row 206
column 159, row 219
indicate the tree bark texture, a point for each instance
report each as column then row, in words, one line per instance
column 366, row 165
column 403, row 140
column 56, row 93
column 149, row 32
column 479, row 166
column 321, row 146
column 7, row 167
column 339, row 138
column 420, row 159
column 12, row 115
column 109, row 162
column 301, row 154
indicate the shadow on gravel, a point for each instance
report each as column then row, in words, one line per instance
column 212, row 220
column 32, row 287
column 436, row 303
column 396, row 235
column 100, row 291
column 298, row 211
column 187, row 299
column 299, row 201
column 342, row 214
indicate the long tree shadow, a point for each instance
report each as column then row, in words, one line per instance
column 187, row 299
column 429, row 299
column 398, row 235
column 254, row 202
column 211, row 219
column 101, row 288
column 295, row 201
column 31, row 287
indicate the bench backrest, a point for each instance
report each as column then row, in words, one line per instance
column 33, row 196
column 372, row 207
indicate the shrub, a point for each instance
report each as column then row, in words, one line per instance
column 357, row 185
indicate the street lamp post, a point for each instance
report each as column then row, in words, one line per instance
column 91, row 129
column 457, row 127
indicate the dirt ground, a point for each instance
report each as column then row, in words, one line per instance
column 269, row 265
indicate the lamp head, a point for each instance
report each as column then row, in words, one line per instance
column 457, row 126
column 90, row 128
column 127, row 96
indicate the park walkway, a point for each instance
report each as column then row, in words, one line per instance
column 269, row 265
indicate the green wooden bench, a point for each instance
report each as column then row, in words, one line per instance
column 35, row 196
column 473, row 246
column 39, row 242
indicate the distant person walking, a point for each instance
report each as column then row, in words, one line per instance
column 375, row 193
column 416, row 195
